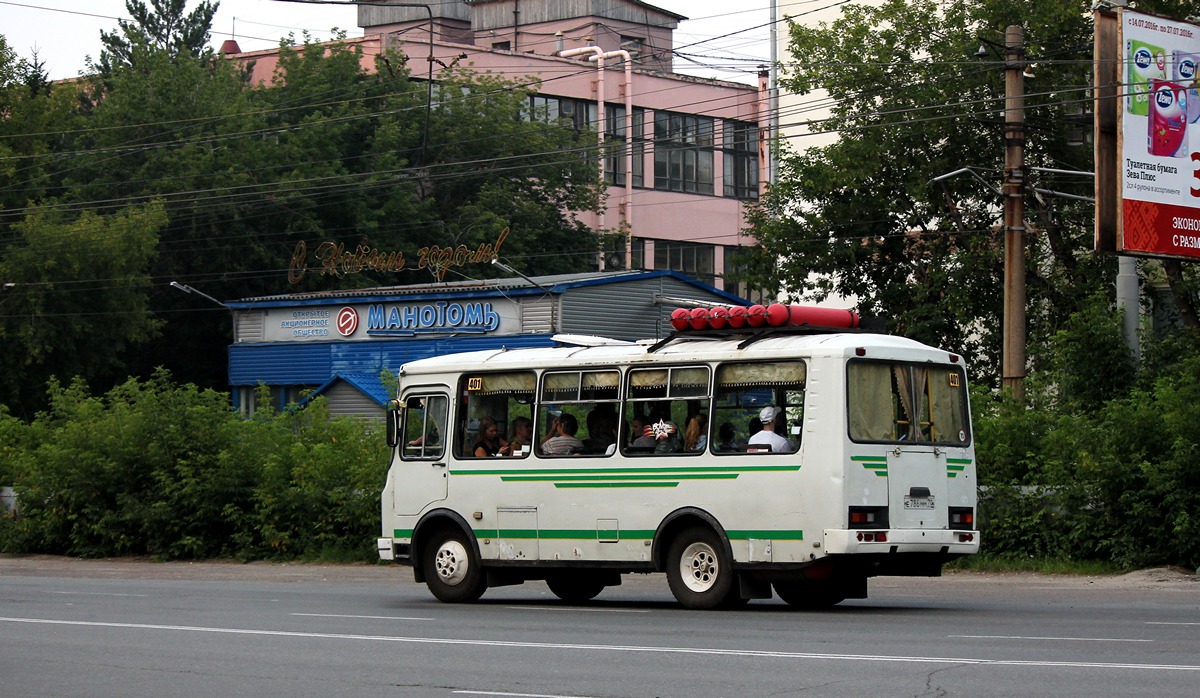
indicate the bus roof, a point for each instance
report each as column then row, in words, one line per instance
column 683, row 349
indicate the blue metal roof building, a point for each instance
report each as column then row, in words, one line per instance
column 348, row 345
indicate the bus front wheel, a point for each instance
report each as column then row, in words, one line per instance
column 452, row 570
column 698, row 570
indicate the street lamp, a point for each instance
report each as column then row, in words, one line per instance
column 188, row 289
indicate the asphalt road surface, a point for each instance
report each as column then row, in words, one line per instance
column 128, row 628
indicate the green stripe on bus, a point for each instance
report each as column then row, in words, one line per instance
column 666, row 470
column 606, row 476
column 565, row 485
column 765, row 535
column 963, row 461
column 588, row 534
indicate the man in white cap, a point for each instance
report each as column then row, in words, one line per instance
column 768, row 436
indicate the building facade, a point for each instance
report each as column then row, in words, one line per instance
column 348, row 345
column 694, row 151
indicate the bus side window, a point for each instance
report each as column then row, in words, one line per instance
column 662, row 403
column 505, row 399
column 424, row 427
column 741, row 392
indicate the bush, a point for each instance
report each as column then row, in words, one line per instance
column 171, row 471
column 1097, row 464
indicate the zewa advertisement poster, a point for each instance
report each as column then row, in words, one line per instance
column 1160, row 132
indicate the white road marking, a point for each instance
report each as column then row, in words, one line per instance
column 515, row 695
column 96, row 593
column 1167, row 622
column 699, row 651
column 1070, row 639
column 338, row 615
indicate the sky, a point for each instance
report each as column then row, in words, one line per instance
column 65, row 32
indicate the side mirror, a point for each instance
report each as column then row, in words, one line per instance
column 394, row 411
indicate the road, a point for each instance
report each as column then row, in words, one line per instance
column 122, row 628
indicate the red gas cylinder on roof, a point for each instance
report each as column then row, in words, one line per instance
column 756, row 316
column 718, row 318
column 816, row 316
column 777, row 315
column 680, row 318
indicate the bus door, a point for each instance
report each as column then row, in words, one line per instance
column 420, row 474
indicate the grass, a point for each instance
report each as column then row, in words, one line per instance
column 996, row 563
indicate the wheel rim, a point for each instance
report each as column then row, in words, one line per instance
column 451, row 563
column 698, row 567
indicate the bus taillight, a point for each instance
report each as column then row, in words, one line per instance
column 868, row 517
column 962, row 518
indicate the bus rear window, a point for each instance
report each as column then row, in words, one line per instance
column 902, row 402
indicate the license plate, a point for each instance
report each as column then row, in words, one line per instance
column 918, row 502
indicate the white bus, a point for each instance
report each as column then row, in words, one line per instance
column 665, row 465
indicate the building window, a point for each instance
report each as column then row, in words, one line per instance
column 688, row 257
column 501, row 45
column 638, row 247
column 739, row 144
column 577, row 113
column 614, row 134
column 634, row 45
column 683, row 153
column 736, row 268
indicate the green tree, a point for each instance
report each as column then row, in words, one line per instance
column 74, row 301
column 328, row 152
column 38, row 118
column 862, row 218
column 161, row 26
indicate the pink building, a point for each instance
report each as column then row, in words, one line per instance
column 695, row 147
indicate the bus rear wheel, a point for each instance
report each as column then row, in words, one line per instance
column 698, row 570
column 452, row 570
column 574, row 587
column 809, row 596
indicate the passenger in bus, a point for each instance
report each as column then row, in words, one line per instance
column 560, row 439
column 769, row 436
column 695, row 438
column 642, row 440
column 490, row 443
column 726, row 435
column 431, row 438
column 521, row 438
column 602, row 430
column 661, row 433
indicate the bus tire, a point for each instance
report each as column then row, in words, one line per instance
column 808, row 596
column 574, row 587
column 452, row 570
column 698, row 570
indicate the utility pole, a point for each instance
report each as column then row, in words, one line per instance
column 1013, row 360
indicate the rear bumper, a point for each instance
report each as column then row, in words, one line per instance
column 842, row 541
column 387, row 551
